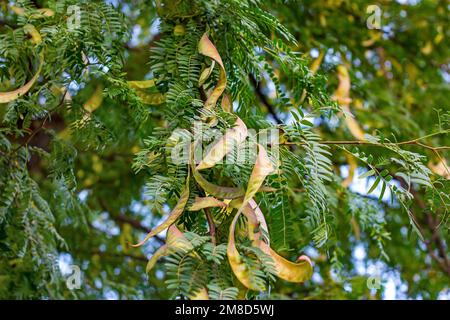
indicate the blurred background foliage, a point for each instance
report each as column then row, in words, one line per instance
column 75, row 174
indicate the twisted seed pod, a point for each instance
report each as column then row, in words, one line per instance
column 173, row 216
column 239, row 268
column 206, row 48
column 299, row 271
column 176, row 241
column 206, row 202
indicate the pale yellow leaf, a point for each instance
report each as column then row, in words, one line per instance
column 41, row 12
column 153, row 98
column 428, row 48
column 161, row 252
column 315, row 65
column 175, row 240
column 226, row 103
column 217, row 191
column 441, row 168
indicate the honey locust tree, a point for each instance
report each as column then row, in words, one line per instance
column 349, row 189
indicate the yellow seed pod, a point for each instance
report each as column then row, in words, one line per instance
column 35, row 35
column 179, row 30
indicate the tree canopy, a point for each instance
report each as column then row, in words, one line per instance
column 292, row 149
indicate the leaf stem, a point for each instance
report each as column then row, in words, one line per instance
column 212, row 226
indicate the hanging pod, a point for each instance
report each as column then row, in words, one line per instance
column 299, row 271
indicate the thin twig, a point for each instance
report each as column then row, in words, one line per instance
column 362, row 142
column 120, row 218
column 118, row 255
column 212, row 225
column 416, row 141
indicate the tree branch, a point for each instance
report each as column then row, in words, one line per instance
column 119, row 255
column 442, row 261
column 264, row 100
column 362, row 142
column 416, row 141
column 121, row 219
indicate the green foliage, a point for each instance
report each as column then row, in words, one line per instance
column 79, row 185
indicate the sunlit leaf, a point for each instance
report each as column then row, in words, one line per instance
column 206, row 73
column 226, row 103
column 143, row 84
column 40, row 12
column 441, row 168
column 202, row 294
column 217, row 191
column 315, row 65
column 153, row 98
column 175, row 241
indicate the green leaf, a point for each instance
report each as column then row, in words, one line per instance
column 383, row 189
column 307, row 123
column 375, row 184
column 367, row 174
